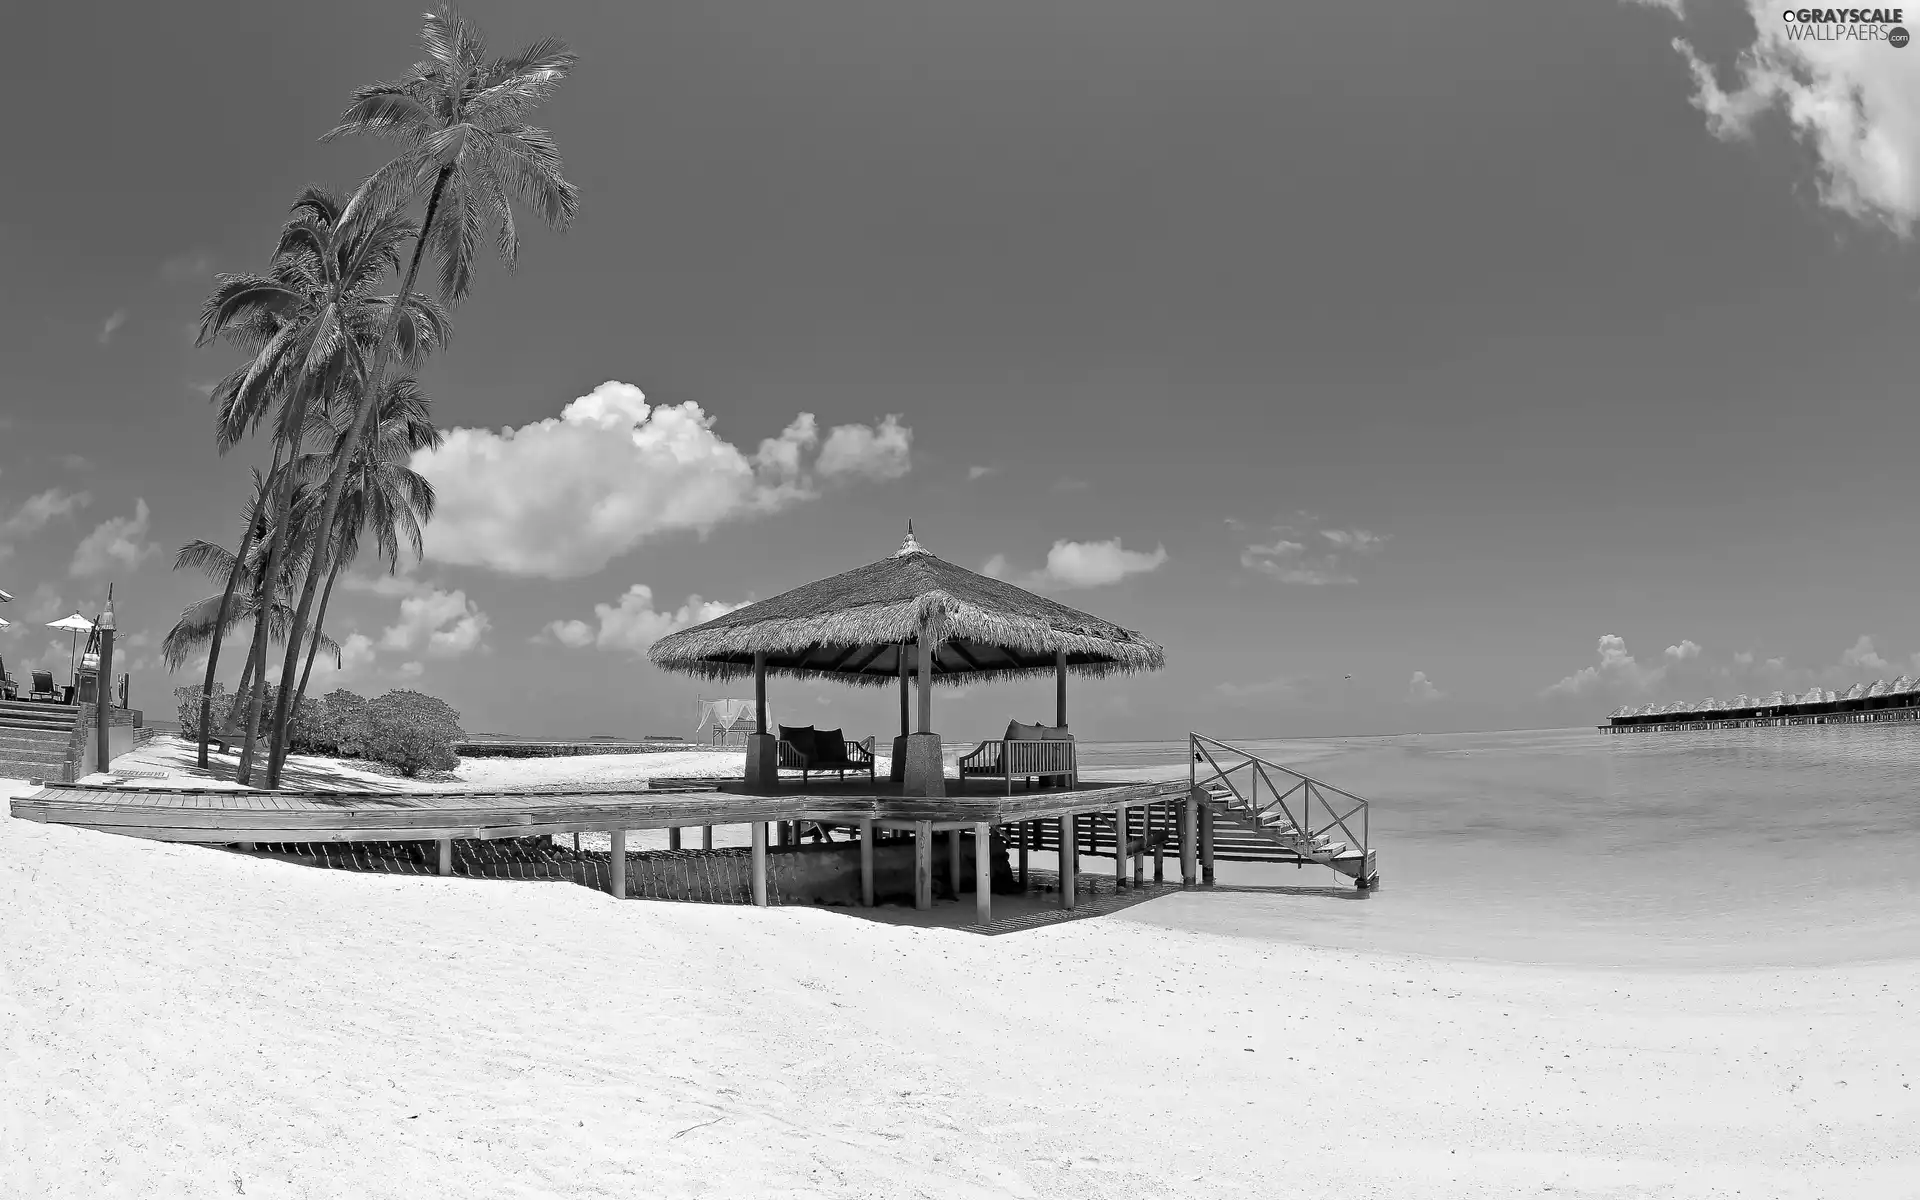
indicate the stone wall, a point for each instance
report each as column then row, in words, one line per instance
column 123, row 725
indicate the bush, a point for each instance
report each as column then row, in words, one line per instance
column 189, row 710
column 341, row 723
column 411, row 732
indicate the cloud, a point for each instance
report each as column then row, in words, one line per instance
column 36, row 512
column 1862, row 656
column 974, row 473
column 195, row 266
column 1083, row 565
column 1304, row 554
column 116, row 542
column 1686, row 650
column 1855, row 104
column 880, row 452
column 76, row 462
column 563, row 497
column 1616, row 672
column 112, row 325
column 1420, row 690
column 444, row 623
column 1745, row 659
column 633, row 624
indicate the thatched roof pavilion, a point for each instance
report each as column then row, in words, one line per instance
column 868, row 626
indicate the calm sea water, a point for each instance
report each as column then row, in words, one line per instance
column 1731, row 848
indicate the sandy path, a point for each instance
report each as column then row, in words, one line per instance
column 183, row 1022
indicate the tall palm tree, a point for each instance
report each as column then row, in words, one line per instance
column 383, row 497
column 320, row 303
column 223, row 615
column 460, row 121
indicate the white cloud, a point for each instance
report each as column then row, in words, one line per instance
column 563, row 497
column 1745, row 659
column 1862, row 656
column 116, row 542
column 112, row 325
column 444, row 623
column 1292, row 557
column 1616, row 672
column 195, row 266
column 633, row 624
column 1420, row 689
column 881, row 452
column 1083, row 564
column 1686, row 650
column 1357, row 540
column 1854, row 103
column 410, row 670
column 1288, row 562
column 974, row 473
column 36, row 512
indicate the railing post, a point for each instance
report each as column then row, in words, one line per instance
column 1189, row 835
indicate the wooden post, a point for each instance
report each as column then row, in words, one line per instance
column 1160, row 843
column 103, row 684
column 953, row 862
column 673, row 838
column 1120, row 848
column 446, row 855
column 759, row 691
column 617, row 863
column 1189, row 820
column 923, row 864
column 1060, row 687
column 982, row 872
column 923, row 665
column 1206, row 846
column 866, row 861
column 905, row 727
column 1140, row 847
column 1026, row 829
column 576, row 841
column 706, row 837
column 1069, row 843
column 760, row 863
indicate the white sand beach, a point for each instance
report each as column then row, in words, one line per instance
column 187, row 1022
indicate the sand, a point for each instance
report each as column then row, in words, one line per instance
column 177, row 1021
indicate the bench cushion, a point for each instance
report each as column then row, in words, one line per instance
column 800, row 737
column 829, row 746
column 1055, row 733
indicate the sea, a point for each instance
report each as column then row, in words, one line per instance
column 1714, row 850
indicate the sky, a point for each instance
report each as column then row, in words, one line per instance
column 1398, row 367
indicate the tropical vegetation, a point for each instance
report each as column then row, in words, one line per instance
column 333, row 334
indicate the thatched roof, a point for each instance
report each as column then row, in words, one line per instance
column 851, row 627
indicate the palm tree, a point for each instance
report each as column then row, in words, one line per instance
column 383, row 496
column 320, row 304
column 459, row 119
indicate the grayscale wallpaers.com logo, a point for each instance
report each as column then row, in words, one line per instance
column 1847, row 25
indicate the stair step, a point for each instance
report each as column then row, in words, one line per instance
column 60, row 727
column 15, row 749
column 50, row 772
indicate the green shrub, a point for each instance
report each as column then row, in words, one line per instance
column 189, row 709
column 342, row 724
column 411, row 732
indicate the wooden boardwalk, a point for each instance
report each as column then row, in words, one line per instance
column 241, row 817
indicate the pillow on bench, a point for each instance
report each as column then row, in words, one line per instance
column 1054, row 733
column 829, row 746
column 800, row 738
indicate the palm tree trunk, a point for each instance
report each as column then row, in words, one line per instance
column 233, row 710
column 226, row 602
column 277, row 548
column 337, row 479
column 319, row 625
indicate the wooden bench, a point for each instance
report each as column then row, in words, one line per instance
column 1024, row 757
column 797, row 752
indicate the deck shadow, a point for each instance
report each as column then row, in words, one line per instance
column 1035, row 908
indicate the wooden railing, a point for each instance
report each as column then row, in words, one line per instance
column 1307, row 815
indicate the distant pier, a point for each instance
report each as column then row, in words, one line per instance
column 1892, row 706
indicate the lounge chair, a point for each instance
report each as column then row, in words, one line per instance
column 1029, row 752
column 9, row 689
column 813, row 752
column 42, row 686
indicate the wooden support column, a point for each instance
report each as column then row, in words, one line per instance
column 1140, row 847
column 866, row 861
column 1069, row 843
column 953, row 862
column 1060, row 688
column 706, row 837
column 1120, row 848
column 1027, row 830
column 760, row 863
column 923, row 864
column 673, row 838
column 759, row 691
column 982, row 872
column 617, row 863
column 445, row 846
column 1160, row 843
column 1206, row 846
column 923, row 666
column 905, row 727
column 576, row 841
column 1189, row 836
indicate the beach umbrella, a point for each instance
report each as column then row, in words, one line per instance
column 76, row 625
column 4, row 622
column 910, row 610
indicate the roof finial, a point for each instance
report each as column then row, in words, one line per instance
column 909, row 545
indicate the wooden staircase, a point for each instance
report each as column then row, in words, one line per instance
column 1297, row 818
column 36, row 740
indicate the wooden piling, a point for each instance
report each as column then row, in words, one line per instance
column 1068, row 844
column 1189, row 836
column 760, row 863
column 673, row 838
column 617, row 864
column 445, row 846
column 982, row 872
column 866, row 862
column 1159, row 843
column 1120, row 848
column 706, row 837
column 1206, row 846
column 953, row 862
column 1026, row 831
column 923, row 864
